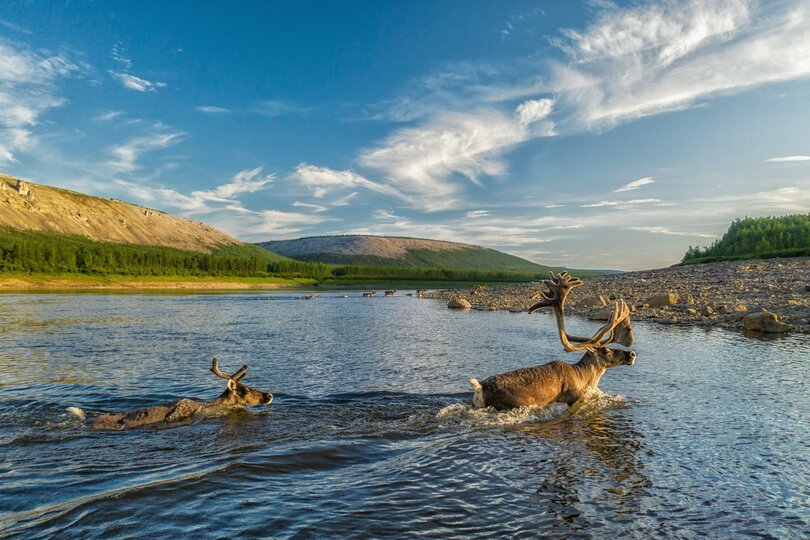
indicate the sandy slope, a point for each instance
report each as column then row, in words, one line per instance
column 50, row 209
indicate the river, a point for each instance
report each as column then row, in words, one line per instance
column 372, row 434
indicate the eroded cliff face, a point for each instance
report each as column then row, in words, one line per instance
column 36, row 207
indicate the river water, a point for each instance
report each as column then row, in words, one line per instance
column 371, row 433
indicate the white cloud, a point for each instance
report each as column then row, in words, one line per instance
column 213, row 109
column 788, row 159
column 27, row 91
column 272, row 107
column 667, row 55
column 635, row 184
column 107, row 116
column 136, row 83
column 199, row 201
column 322, row 180
column 620, row 203
column 344, row 201
column 314, row 207
column 125, row 156
column 665, row 230
column 420, row 163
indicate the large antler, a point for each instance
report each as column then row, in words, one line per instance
column 238, row 376
column 618, row 325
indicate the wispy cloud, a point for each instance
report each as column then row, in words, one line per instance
column 27, row 91
column 420, row 162
column 274, row 107
column 788, row 159
column 664, row 230
column 635, row 184
column 107, row 116
column 322, row 180
column 620, row 203
column 314, row 207
column 125, row 157
column 213, row 109
column 667, row 55
column 136, row 83
column 224, row 196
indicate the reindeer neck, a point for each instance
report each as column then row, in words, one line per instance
column 590, row 370
column 221, row 402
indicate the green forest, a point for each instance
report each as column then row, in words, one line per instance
column 757, row 238
column 49, row 253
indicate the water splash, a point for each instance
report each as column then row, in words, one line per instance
column 593, row 401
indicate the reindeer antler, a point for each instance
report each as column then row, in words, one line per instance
column 618, row 325
column 237, row 376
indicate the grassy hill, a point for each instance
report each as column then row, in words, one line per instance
column 386, row 251
column 757, row 238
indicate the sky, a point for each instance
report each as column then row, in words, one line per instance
column 586, row 134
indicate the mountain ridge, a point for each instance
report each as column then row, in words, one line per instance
column 374, row 250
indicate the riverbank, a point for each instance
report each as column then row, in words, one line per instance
column 709, row 295
column 79, row 282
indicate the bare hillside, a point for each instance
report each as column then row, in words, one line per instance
column 376, row 246
column 36, row 207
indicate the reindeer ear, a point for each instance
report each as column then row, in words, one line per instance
column 232, row 385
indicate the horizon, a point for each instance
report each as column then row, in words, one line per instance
column 593, row 135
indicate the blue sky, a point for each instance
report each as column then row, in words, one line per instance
column 587, row 134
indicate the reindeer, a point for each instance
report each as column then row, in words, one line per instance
column 391, row 292
column 559, row 381
column 369, row 294
column 183, row 411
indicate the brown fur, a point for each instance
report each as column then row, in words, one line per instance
column 184, row 411
column 556, row 381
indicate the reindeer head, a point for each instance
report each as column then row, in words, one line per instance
column 617, row 329
column 608, row 358
column 238, row 394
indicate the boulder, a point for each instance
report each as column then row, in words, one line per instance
column 592, row 301
column 765, row 321
column 661, row 300
column 600, row 314
column 459, row 303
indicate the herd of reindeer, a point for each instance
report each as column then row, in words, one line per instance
column 555, row 381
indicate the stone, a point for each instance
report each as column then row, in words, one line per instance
column 707, row 311
column 600, row 314
column 667, row 320
column 592, row 301
column 765, row 321
column 459, row 303
column 22, row 188
column 661, row 300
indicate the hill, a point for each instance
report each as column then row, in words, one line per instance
column 757, row 238
column 388, row 251
column 35, row 207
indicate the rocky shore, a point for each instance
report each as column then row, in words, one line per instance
column 771, row 296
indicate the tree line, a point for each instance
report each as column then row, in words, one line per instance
column 40, row 252
column 757, row 238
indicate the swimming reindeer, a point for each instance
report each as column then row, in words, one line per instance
column 559, row 381
column 237, row 395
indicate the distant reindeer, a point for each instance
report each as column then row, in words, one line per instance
column 391, row 293
column 558, row 381
column 183, row 411
column 369, row 294
column 420, row 292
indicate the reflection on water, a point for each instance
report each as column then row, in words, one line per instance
column 371, row 433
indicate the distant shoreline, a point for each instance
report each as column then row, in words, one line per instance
column 32, row 283
column 77, row 283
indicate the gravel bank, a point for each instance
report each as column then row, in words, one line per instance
column 716, row 294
